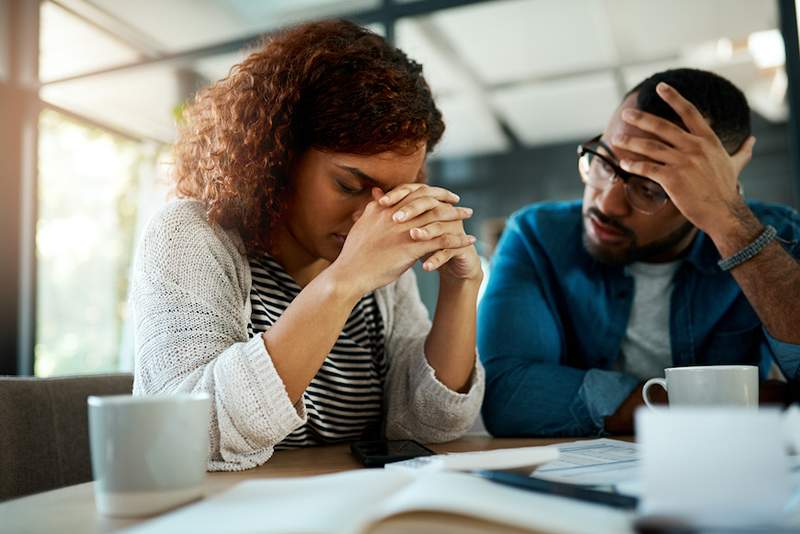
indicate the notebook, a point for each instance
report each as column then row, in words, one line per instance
column 365, row 500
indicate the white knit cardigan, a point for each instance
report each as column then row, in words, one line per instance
column 191, row 303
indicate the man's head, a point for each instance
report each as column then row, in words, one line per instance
column 616, row 232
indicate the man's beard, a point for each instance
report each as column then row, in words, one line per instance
column 632, row 253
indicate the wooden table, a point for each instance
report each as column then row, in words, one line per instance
column 72, row 509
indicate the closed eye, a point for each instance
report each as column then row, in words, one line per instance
column 347, row 189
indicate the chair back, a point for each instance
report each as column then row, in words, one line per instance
column 44, row 430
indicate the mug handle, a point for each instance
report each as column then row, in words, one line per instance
column 653, row 381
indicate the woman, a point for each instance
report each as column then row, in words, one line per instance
column 281, row 284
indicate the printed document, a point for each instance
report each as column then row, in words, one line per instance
column 598, row 462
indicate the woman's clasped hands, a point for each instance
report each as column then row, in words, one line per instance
column 409, row 223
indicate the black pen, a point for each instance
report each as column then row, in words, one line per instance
column 561, row 489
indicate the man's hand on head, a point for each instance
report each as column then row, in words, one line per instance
column 693, row 167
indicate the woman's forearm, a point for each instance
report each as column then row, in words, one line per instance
column 450, row 346
column 304, row 335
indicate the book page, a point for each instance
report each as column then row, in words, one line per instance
column 309, row 505
column 357, row 501
column 471, row 496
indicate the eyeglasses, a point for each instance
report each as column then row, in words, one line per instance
column 599, row 171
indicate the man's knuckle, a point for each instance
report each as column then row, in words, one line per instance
column 653, row 146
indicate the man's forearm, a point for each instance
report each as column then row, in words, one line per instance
column 770, row 280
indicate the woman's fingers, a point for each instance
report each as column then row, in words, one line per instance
column 423, row 205
column 429, row 210
column 443, row 242
column 429, row 231
column 397, row 194
column 439, row 258
column 441, row 213
column 436, row 229
column 414, row 208
column 410, row 191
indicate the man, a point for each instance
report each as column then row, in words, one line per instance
column 589, row 299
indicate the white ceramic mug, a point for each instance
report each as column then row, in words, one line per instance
column 149, row 453
column 709, row 385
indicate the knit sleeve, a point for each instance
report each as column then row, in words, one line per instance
column 418, row 405
column 190, row 297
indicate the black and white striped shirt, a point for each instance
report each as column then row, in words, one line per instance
column 344, row 400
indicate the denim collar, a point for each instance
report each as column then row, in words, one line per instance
column 703, row 254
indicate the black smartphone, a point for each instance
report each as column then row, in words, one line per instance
column 381, row 452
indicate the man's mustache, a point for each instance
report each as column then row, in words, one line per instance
column 605, row 219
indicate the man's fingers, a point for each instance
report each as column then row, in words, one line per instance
column 650, row 148
column 743, row 156
column 665, row 130
column 648, row 169
column 692, row 118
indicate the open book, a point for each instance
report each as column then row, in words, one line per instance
column 373, row 500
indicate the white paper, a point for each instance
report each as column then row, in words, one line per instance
column 350, row 502
column 720, row 467
column 474, row 461
column 598, row 462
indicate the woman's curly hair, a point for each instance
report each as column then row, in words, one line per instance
column 332, row 85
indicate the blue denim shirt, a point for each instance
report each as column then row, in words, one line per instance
column 552, row 320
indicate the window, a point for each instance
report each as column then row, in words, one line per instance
column 88, row 186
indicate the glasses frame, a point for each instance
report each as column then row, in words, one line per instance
column 619, row 173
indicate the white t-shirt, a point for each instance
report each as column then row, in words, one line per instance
column 646, row 348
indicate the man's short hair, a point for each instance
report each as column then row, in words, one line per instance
column 722, row 104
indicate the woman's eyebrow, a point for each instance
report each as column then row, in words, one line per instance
column 361, row 175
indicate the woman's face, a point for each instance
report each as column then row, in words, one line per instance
column 330, row 191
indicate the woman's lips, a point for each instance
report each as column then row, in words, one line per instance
column 340, row 238
column 606, row 233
